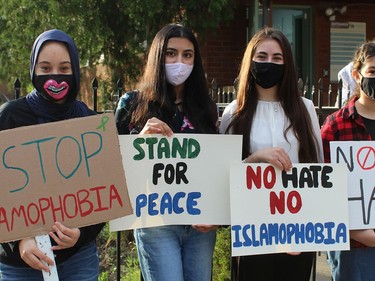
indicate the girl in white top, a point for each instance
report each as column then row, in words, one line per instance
column 278, row 127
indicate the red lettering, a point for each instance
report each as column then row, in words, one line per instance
column 269, row 177
column 3, row 216
column 251, row 177
column 30, row 213
column 44, row 207
column 56, row 209
column 59, row 208
column 74, row 203
column 114, row 195
column 18, row 214
column 298, row 202
column 277, row 202
column 98, row 198
column 84, row 201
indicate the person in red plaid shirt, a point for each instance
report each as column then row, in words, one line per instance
column 355, row 122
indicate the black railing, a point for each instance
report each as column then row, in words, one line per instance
column 325, row 99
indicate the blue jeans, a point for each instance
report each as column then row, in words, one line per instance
column 175, row 253
column 358, row 264
column 83, row 265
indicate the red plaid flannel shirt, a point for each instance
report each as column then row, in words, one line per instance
column 344, row 125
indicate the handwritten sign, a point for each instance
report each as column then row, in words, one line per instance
column 69, row 171
column 302, row 210
column 183, row 179
column 359, row 159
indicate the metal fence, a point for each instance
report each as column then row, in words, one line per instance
column 326, row 100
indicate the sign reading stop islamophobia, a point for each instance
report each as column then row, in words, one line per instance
column 69, row 171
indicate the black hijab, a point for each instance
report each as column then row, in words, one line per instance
column 46, row 110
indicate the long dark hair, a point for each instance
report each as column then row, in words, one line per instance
column 156, row 98
column 288, row 95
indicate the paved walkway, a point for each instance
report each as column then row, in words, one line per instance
column 323, row 272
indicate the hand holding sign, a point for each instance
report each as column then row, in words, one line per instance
column 273, row 155
column 64, row 237
column 34, row 256
column 44, row 244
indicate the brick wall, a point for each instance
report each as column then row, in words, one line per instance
column 223, row 48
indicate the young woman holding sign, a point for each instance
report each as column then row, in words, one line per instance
column 172, row 97
column 278, row 127
column 355, row 122
column 54, row 70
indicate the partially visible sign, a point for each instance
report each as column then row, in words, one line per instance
column 69, row 171
column 359, row 159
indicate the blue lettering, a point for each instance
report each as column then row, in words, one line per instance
column 263, row 233
column 176, row 208
column 166, row 203
column 88, row 156
column 191, row 203
column 300, row 234
column 17, row 169
column 310, row 232
column 151, row 205
column 237, row 243
column 70, row 149
column 246, row 237
column 40, row 153
column 341, row 232
column 328, row 239
column 319, row 236
column 140, row 202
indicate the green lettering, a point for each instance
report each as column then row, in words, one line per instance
column 137, row 145
column 150, row 142
column 164, row 148
column 194, row 148
column 180, row 148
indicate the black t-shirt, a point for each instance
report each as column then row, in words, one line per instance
column 370, row 126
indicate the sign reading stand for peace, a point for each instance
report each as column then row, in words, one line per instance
column 69, row 171
column 301, row 210
column 359, row 160
column 182, row 179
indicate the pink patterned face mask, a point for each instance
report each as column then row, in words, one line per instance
column 54, row 87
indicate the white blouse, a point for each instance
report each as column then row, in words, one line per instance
column 268, row 127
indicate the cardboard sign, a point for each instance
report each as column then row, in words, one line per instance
column 183, row 179
column 359, row 159
column 69, row 171
column 273, row 211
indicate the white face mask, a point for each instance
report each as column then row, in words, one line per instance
column 177, row 73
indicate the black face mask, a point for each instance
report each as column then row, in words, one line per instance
column 368, row 86
column 54, row 87
column 267, row 74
